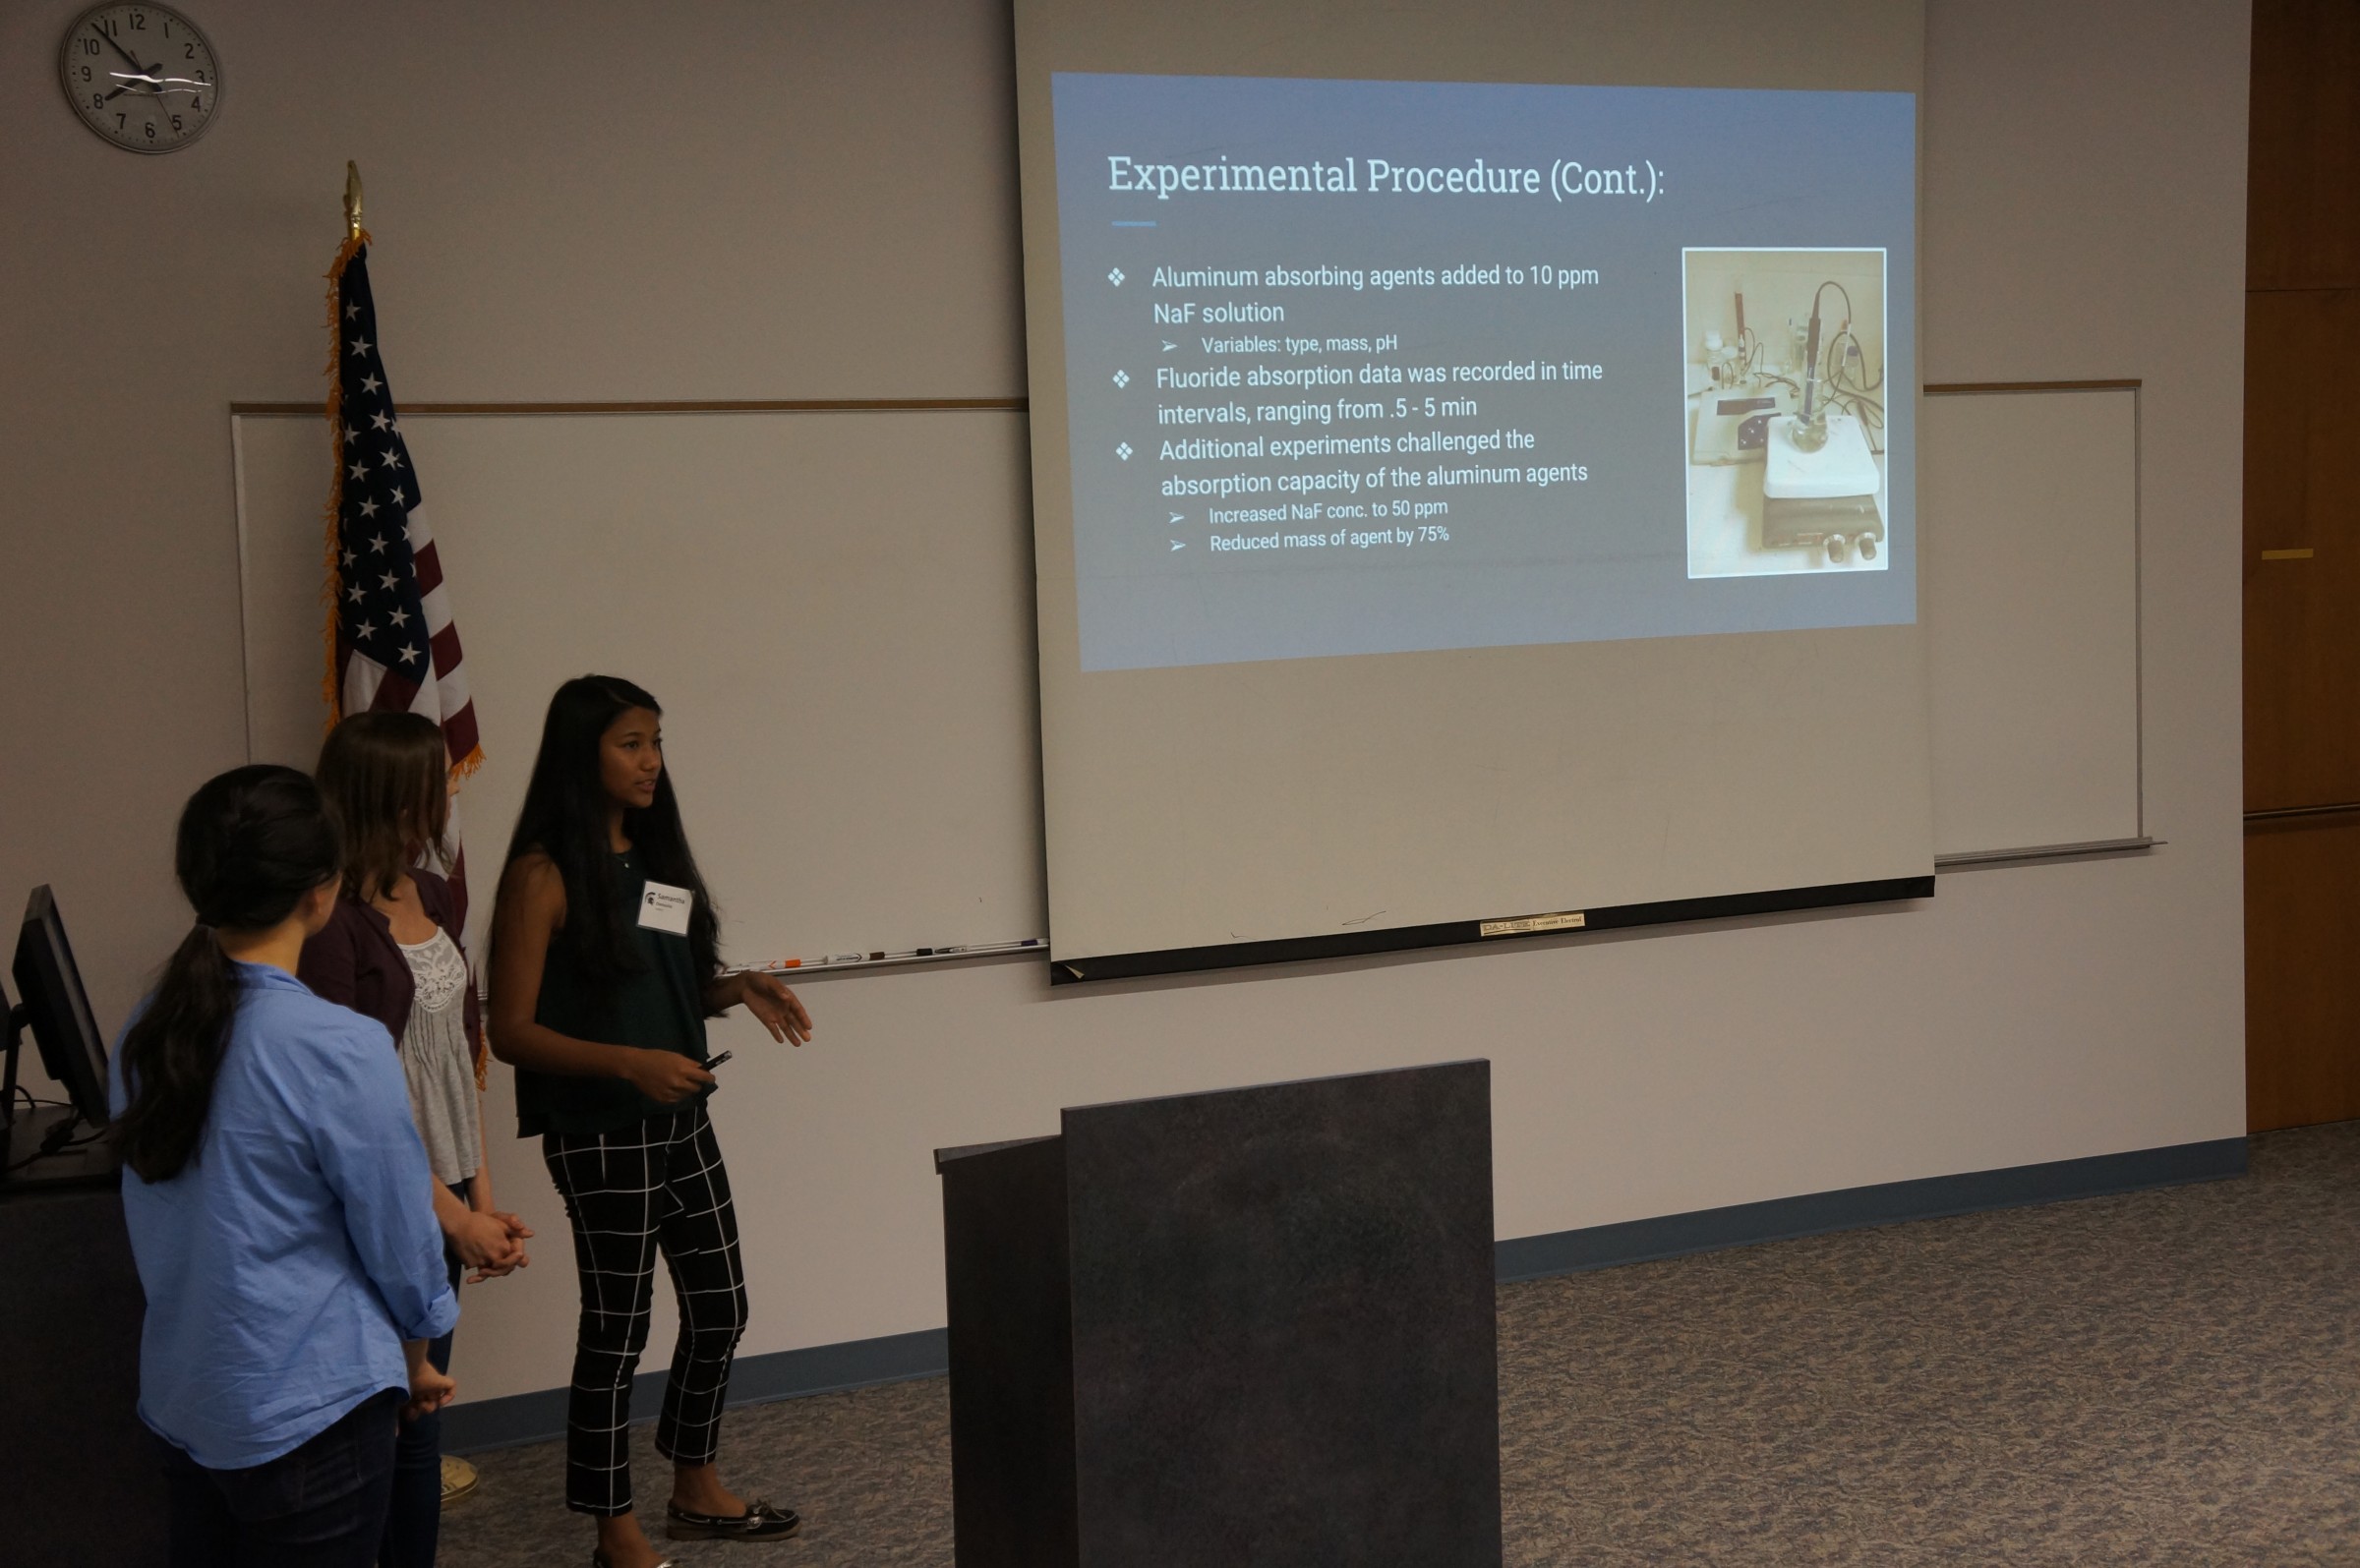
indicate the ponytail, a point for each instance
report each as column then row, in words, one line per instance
column 173, row 1054
column 252, row 842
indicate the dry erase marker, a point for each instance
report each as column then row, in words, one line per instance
column 713, row 1061
column 842, row 960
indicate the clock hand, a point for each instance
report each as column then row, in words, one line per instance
column 152, row 83
column 127, row 58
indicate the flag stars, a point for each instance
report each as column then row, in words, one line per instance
column 382, row 622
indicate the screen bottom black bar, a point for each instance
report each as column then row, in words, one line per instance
column 1452, row 933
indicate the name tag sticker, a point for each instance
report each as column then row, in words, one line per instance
column 664, row 908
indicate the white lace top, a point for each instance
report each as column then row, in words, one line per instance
column 439, row 1060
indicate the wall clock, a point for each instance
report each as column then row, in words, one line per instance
column 141, row 76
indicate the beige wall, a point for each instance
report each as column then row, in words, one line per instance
column 577, row 201
column 603, row 200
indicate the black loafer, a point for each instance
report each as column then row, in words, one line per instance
column 761, row 1521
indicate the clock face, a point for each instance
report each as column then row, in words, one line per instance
column 141, row 76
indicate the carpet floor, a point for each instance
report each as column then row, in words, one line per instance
column 2169, row 1377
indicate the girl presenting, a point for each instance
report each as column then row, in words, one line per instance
column 605, row 966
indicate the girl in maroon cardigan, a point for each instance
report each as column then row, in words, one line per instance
column 391, row 952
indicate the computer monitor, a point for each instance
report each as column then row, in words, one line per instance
column 72, row 1051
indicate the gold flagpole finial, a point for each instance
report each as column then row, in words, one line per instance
column 352, row 198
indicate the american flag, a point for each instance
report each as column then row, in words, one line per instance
column 393, row 641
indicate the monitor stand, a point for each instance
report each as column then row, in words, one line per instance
column 24, row 1131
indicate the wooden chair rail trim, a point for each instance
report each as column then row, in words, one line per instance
column 1958, row 388
column 2285, row 813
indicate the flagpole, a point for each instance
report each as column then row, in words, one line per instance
column 331, row 680
column 458, row 1477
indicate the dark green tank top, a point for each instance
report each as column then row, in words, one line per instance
column 660, row 1008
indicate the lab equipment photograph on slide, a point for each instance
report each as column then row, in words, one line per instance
column 1785, row 407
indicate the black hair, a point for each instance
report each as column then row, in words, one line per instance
column 564, row 816
column 252, row 842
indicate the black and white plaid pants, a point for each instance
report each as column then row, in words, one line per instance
column 656, row 1185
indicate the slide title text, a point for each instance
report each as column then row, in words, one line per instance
column 1566, row 178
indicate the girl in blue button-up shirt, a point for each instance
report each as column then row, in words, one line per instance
column 276, row 1196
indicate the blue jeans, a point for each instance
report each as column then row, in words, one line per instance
column 320, row 1505
column 414, row 1522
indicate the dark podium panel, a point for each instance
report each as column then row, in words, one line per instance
column 1247, row 1327
column 85, row 1487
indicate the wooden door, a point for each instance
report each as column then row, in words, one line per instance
column 2302, row 567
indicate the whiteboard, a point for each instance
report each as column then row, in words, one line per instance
column 837, row 611
column 2030, row 542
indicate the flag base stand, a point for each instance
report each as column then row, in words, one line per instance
column 459, row 1478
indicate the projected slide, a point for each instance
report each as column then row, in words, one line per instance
column 1364, row 367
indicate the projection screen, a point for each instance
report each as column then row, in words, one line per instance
column 1473, row 470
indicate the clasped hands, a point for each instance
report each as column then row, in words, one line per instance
column 490, row 1242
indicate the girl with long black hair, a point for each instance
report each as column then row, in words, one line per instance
column 276, row 1198
column 605, row 966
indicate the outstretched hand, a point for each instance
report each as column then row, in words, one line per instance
column 779, row 1009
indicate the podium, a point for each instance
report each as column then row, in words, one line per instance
column 1246, row 1327
column 86, row 1486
